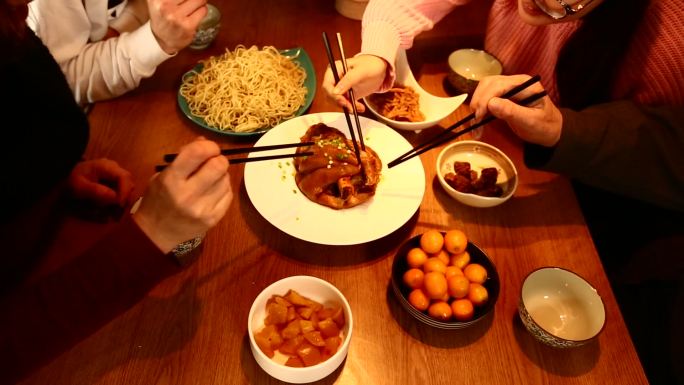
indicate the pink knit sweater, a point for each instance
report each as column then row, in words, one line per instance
column 653, row 70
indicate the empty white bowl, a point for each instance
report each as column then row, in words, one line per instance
column 468, row 66
column 560, row 308
column 315, row 289
column 480, row 155
column 434, row 108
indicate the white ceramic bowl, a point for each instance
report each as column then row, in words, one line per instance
column 313, row 288
column 468, row 66
column 560, row 308
column 434, row 108
column 480, row 155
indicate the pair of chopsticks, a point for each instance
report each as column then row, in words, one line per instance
column 336, row 76
column 447, row 135
column 168, row 158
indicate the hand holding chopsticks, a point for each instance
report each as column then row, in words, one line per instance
column 352, row 132
column 447, row 135
column 236, row 151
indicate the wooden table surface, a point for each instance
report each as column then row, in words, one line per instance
column 192, row 328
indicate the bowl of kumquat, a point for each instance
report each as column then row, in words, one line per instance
column 444, row 280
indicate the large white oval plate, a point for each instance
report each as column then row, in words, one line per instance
column 272, row 189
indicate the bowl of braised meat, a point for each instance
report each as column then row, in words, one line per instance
column 476, row 174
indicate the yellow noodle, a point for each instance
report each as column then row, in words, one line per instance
column 246, row 89
column 399, row 103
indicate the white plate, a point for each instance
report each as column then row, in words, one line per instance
column 272, row 189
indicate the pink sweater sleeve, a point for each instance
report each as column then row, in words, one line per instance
column 388, row 25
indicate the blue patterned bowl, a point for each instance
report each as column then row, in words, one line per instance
column 561, row 309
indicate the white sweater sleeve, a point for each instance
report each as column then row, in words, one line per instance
column 95, row 70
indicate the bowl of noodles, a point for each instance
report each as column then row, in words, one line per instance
column 407, row 106
column 247, row 91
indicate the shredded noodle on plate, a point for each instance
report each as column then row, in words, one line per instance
column 246, row 89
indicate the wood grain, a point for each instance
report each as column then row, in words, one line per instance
column 191, row 329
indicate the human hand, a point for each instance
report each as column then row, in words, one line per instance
column 101, row 181
column 188, row 198
column 174, row 23
column 538, row 123
column 366, row 75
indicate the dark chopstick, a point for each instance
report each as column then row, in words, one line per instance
column 168, row 158
column 336, row 76
column 444, row 139
column 444, row 133
column 351, row 93
column 161, row 167
column 269, row 157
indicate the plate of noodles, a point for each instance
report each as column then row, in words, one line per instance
column 272, row 187
column 247, row 91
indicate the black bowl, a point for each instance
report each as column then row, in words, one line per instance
column 399, row 267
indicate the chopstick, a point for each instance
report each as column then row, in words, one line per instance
column 468, row 118
column 168, row 158
column 235, row 151
column 351, row 93
column 443, row 139
column 336, row 76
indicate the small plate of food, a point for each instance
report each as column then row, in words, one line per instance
column 248, row 91
column 326, row 198
column 408, row 106
column 476, row 174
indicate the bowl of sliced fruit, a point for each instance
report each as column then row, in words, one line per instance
column 299, row 329
column 445, row 281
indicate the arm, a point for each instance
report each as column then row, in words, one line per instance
column 621, row 147
column 107, row 69
column 42, row 320
column 103, row 69
column 94, row 70
column 386, row 26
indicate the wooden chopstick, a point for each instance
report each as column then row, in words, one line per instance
column 351, row 93
column 444, row 139
column 468, row 118
column 336, row 76
column 168, row 158
column 161, row 167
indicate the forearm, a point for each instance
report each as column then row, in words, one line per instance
column 109, row 68
column 389, row 25
column 39, row 322
column 621, row 147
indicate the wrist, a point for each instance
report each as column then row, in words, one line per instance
column 164, row 243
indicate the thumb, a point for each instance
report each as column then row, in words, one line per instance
column 507, row 110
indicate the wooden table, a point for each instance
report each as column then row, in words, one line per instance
column 192, row 328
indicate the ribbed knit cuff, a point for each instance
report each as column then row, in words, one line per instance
column 382, row 39
column 144, row 50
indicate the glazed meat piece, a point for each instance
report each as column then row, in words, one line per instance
column 332, row 176
column 466, row 180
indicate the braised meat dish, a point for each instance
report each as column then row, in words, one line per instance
column 466, row 180
column 332, row 176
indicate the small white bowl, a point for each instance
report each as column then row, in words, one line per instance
column 468, row 66
column 434, row 108
column 480, row 155
column 560, row 308
column 315, row 289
